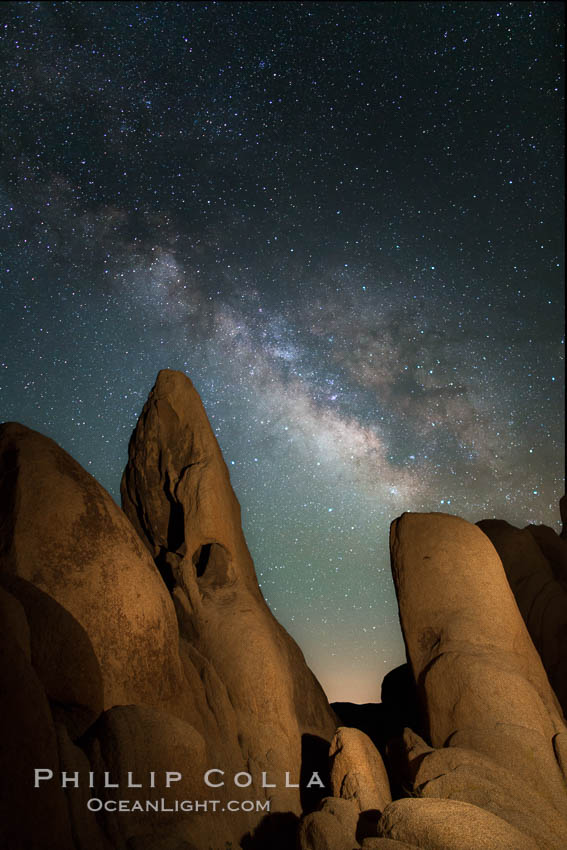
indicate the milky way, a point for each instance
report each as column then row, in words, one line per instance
column 344, row 222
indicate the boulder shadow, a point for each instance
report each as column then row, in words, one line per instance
column 277, row 831
column 62, row 656
column 314, row 760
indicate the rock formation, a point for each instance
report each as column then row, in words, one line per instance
column 535, row 562
column 384, row 722
column 486, row 764
column 358, row 774
column 332, row 827
column 139, row 643
column 451, row 825
column 137, row 652
column 90, row 591
column 491, row 719
column 176, row 491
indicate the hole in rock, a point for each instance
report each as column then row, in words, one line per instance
column 201, row 558
column 211, row 561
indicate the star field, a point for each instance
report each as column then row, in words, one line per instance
column 343, row 221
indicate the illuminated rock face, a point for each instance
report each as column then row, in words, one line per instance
column 176, row 491
column 495, row 732
column 357, row 771
column 144, row 646
column 107, row 623
column 471, row 655
column 87, row 624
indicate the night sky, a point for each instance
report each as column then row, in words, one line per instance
column 343, row 221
